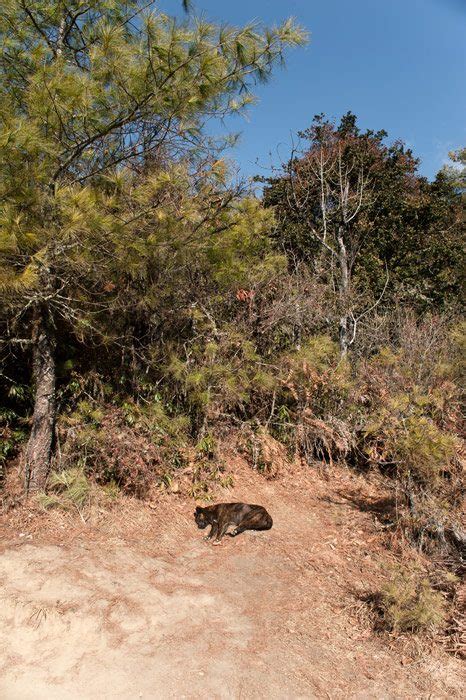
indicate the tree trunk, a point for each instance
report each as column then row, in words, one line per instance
column 39, row 447
column 343, row 290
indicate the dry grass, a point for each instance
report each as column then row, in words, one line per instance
column 454, row 637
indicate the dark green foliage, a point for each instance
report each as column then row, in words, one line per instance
column 406, row 225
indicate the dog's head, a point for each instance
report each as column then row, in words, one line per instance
column 201, row 517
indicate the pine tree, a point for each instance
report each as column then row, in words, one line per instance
column 91, row 93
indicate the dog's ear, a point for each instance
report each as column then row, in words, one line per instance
column 198, row 509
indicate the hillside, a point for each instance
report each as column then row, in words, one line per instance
column 178, row 329
column 135, row 604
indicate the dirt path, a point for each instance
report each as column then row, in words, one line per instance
column 266, row 615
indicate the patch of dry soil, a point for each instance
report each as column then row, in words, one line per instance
column 266, row 615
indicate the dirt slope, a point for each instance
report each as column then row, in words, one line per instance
column 140, row 606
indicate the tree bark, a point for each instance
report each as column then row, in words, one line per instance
column 39, row 446
column 343, row 289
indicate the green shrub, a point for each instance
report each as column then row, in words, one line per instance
column 408, row 603
column 206, row 447
column 423, row 449
column 67, row 489
column 317, row 379
column 401, row 433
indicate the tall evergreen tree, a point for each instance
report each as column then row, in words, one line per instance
column 89, row 92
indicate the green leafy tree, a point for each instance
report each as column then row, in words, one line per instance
column 92, row 92
column 456, row 173
column 355, row 209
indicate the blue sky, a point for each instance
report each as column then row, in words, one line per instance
column 399, row 65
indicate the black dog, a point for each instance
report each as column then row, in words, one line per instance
column 239, row 516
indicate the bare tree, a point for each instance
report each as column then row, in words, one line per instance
column 328, row 189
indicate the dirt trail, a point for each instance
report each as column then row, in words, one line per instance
column 266, row 615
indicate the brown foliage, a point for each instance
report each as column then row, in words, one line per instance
column 113, row 452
